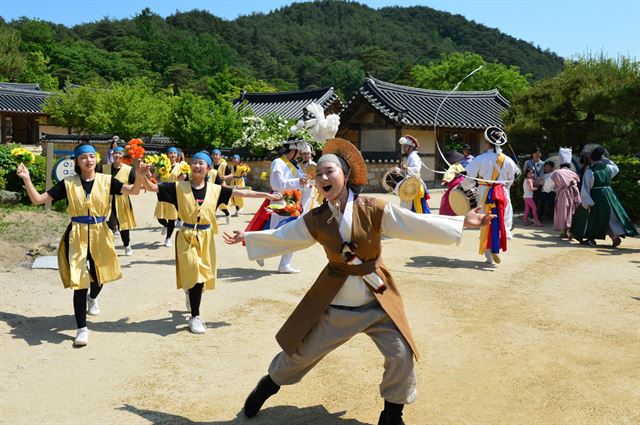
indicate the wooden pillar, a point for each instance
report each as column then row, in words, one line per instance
column 49, row 169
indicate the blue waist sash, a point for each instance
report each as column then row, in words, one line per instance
column 196, row 226
column 88, row 219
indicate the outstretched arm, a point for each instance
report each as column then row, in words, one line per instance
column 141, row 170
column 36, row 197
column 292, row 236
column 247, row 193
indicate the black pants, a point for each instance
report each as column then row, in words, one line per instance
column 195, row 297
column 169, row 224
column 115, row 225
column 225, row 211
column 547, row 205
column 80, row 295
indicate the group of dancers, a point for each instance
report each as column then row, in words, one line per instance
column 354, row 293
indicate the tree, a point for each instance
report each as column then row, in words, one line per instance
column 445, row 73
column 345, row 77
column 12, row 62
column 74, row 107
column 594, row 100
column 37, row 72
column 194, row 121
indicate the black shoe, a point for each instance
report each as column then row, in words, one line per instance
column 265, row 389
column 392, row 414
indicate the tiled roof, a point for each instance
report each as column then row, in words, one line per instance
column 157, row 140
column 287, row 104
column 412, row 106
column 23, row 86
column 24, row 98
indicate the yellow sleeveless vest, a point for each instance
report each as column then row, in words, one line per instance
column 84, row 238
column 165, row 210
column 124, row 210
column 195, row 248
column 238, row 182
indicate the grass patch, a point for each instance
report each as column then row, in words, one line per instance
column 29, row 224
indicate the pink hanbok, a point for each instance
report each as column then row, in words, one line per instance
column 568, row 199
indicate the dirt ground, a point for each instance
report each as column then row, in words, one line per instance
column 551, row 336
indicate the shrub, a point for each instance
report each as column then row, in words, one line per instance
column 627, row 183
column 9, row 180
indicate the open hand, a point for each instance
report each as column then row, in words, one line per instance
column 238, row 236
column 475, row 218
column 275, row 196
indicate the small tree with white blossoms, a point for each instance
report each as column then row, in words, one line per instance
column 262, row 135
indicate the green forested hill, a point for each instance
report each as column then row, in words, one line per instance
column 298, row 46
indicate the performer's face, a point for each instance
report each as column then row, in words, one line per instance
column 199, row 168
column 173, row 156
column 117, row 158
column 330, row 180
column 406, row 149
column 306, row 156
column 86, row 162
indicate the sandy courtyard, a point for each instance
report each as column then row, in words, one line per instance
column 552, row 336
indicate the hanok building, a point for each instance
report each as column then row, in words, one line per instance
column 289, row 104
column 21, row 117
column 380, row 113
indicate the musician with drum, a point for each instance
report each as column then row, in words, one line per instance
column 412, row 190
column 493, row 172
column 455, row 201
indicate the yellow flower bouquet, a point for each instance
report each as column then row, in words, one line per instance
column 23, row 155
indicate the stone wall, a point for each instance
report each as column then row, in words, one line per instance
column 375, row 172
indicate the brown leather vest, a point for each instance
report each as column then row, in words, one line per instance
column 366, row 234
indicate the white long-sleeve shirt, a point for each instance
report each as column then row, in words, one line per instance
column 414, row 164
column 282, row 178
column 396, row 223
column 588, row 180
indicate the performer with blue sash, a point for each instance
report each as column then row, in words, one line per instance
column 86, row 255
column 196, row 201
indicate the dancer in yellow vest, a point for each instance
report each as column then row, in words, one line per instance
column 219, row 168
column 122, row 219
column 86, row 255
column 236, row 174
column 165, row 212
column 196, row 201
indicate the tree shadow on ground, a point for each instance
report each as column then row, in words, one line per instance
column 38, row 330
column 451, row 263
column 150, row 246
column 240, row 274
column 278, row 415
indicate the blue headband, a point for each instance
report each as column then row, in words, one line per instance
column 203, row 156
column 172, row 149
column 216, row 152
column 118, row 149
column 82, row 149
column 236, row 157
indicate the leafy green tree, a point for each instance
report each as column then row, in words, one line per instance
column 377, row 61
column 74, row 107
column 37, row 72
column 194, row 121
column 445, row 73
column 345, row 77
column 130, row 109
column 12, row 61
column 594, row 100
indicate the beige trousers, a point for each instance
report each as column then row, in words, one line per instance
column 337, row 326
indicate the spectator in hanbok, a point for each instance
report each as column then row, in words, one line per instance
column 566, row 185
column 466, row 152
column 601, row 213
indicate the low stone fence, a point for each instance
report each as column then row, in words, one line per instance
column 375, row 171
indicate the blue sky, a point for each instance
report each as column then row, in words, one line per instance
column 566, row 27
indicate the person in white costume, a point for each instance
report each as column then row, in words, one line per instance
column 285, row 175
column 412, row 166
column 490, row 167
column 308, row 167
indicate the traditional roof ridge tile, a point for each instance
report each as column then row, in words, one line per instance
column 288, row 104
column 413, row 106
column 23, row 86
column 14, row 98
